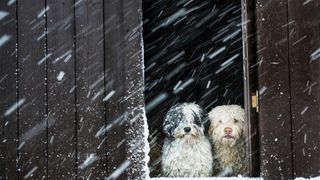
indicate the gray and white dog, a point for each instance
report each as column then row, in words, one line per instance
column 186, row 151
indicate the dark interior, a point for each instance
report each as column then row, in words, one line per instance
column 193, row 53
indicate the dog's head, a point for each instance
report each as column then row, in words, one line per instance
column 226, row 124
column 185, row 121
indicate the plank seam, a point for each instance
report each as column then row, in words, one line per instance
column 17, row 92
column 75, row 91
column 46, row 85
column 104, row 84
column 290, row 94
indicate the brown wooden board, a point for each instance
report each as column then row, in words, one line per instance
column 136, row 120
column 274, row 100
column 90, row 89
column 61, row 90
column 8, row 96
column 304, row 44
column 250, row 82
column 32, row 89
column 114, row 15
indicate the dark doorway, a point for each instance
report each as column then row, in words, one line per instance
column 193, row 53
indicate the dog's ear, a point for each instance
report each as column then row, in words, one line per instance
column 171, row 120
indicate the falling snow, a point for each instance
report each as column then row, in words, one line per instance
column 88, row 161
column 60, row 75
column 14, row 107
column 4, row 39
column 3, row 14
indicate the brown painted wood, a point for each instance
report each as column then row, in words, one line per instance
column 115, row 77
column 32, row 88
column 8, row 96
column 250, row 82
column 136, row 132
column 61, row 91
column 90, row 88
column 274, row 109
column 304, row 43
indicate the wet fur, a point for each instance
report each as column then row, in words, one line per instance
column 186, row 155
column 231, row 157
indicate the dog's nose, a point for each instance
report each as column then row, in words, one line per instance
column 228, row 130
column 187, row 129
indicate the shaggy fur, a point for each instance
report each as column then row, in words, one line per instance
column 226, row 133
column 186, row 153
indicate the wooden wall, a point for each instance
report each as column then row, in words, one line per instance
column 66, row 91
column 289, row 67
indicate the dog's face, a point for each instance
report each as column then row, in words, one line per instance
column 226, row 124
column 185, row 121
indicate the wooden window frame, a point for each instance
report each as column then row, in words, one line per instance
column 137, row 112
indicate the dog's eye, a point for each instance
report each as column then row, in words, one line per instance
column 220, row 121
column 236, row 120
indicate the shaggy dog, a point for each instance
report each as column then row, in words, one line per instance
column 186, row 151
column 226, row 133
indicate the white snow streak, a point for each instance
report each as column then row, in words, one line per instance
column 89, row 161
column 212, row 55
column 156, row 101
column 11, row 2
column 66, row 54
column 306, row 2
column 43, row 11
column 184, row 85
column 262, row 90
column 315, row 55
column 182, row 12
column 108, row 96
column 44, row 58
column 60, row 75
column 304, row 110
column 229, row 61
column 4, row 38
column 231, row 35
column 30, row 173
column 119, row 170
column 14, row 107
column 3, row 14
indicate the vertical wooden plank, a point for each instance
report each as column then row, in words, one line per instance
column 8, row 97
column 304, row 44
column 32, row 89
column 274, row 110
column 115, row 80
column 90, row 89
column 137, row 128
column 61, row 90
column 250, row 84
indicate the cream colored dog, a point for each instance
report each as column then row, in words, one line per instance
column 226, row 133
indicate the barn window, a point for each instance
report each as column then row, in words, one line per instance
column 193, row 52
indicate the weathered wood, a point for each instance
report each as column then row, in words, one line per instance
column 8, row 96
column 304, row 44
column 137, row 144
column 274, row 109
column 61, row 90
column 32, row 89
column 115, row 77
column 90, row 88
column 250, row 85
